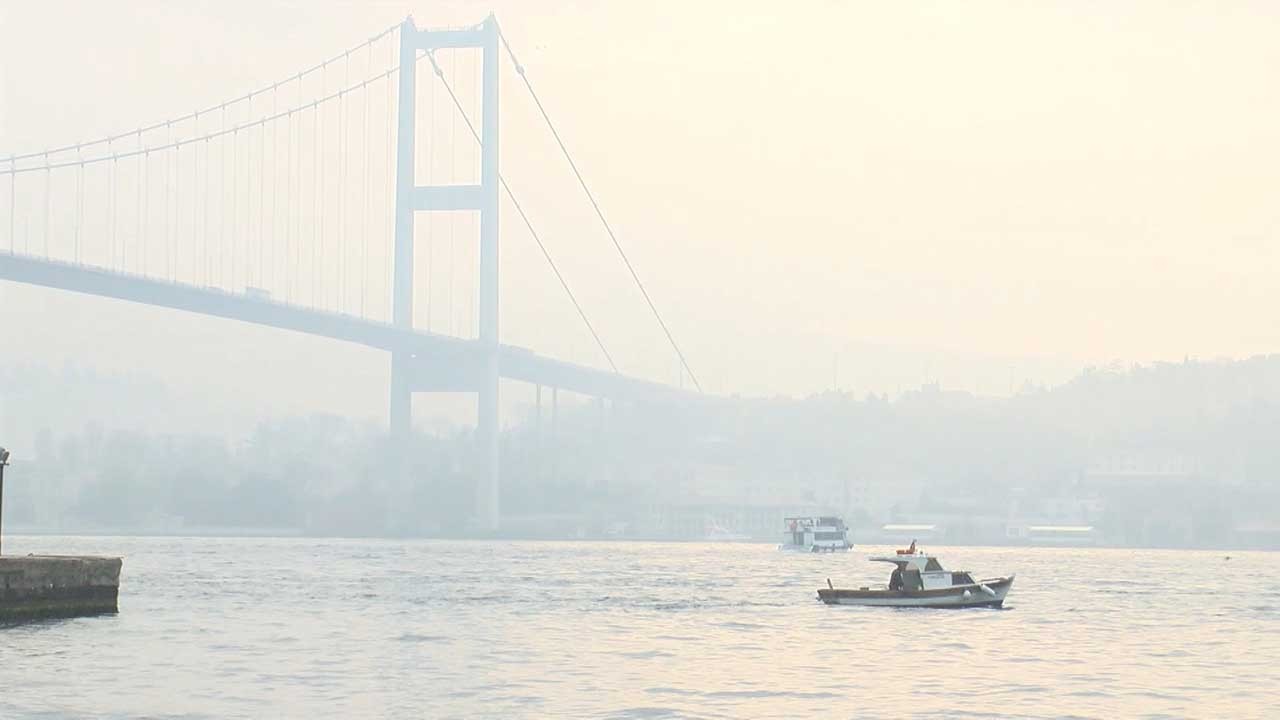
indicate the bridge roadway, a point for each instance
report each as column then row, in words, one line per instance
column 438, row 363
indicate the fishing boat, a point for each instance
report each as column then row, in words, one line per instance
column 919, row 580
column 815, row 534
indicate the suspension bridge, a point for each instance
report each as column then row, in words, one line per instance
column 296, row 206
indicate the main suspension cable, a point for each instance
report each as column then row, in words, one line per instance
column 171, row 144
column 599, row 213
column 192, row 115
column 527, row 223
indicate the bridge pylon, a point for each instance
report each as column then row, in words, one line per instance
column 411, row 199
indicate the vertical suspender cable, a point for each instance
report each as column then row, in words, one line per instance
column 146, row 202
column 297, row 201
column 389, row 173
column 26, row 227
column 182, row 239
column 13, row 184
column 245, row 234
column 320, row 184
column 423, row 281
column 169, row 237
column 141, row 232
column 137, row 203
column 48, row 202
column 317, row 221
column 348, row 207
column 253, row 271
column 235, row 204
column 115, row 212
column 364, row 183
column 249, row 269
column 275, row 182
column 219, row 256
column 196, row 254
column 288, row 206
column 262, row 198
column 172, row 201
column 79, row 206
column 342, row 164
column 297, row 217
column 453, row 156
column 208, row 256
column 166, row 234
column 431, row 241
column 471, row 270
column 163, row 206
column 111, row 210
column 475, row 265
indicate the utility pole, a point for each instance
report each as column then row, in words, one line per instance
column 4, row 461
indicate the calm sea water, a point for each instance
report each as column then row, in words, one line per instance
column 311, row 628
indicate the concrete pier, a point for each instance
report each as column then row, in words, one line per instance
column 41, row 586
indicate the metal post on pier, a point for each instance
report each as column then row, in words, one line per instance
column 4, row 461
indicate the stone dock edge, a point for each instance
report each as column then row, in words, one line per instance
column 50, row 586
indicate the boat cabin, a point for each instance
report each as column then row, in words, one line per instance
column 920, row 571
column 815, row 534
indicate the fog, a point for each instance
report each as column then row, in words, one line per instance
column 851, row 205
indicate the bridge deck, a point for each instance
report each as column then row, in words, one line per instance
column 438, row 362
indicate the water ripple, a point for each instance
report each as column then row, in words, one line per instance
column 246, row 628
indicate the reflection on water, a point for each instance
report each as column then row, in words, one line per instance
column 369, row 628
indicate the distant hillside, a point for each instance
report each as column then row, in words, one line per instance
column 1172, row 453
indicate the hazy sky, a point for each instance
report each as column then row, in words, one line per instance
column 974, row 192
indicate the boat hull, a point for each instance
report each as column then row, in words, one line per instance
column 788, row 547
column 956, row 596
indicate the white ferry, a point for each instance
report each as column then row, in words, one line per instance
column 918, row 580
column 815, row 534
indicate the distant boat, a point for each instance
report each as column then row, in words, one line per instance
column 918, row 580
column 715, row 532
column 815, row 534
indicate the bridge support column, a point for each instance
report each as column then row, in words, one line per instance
column 488, row 420
column 401, row 404
column 537, row 416
column 555, row 432
column 483, row 198
column 402, row 270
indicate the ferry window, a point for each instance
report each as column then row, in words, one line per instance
column 932, row 564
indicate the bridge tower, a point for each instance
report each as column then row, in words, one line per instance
column 411, row 198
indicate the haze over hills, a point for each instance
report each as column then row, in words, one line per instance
column 1108, row 449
